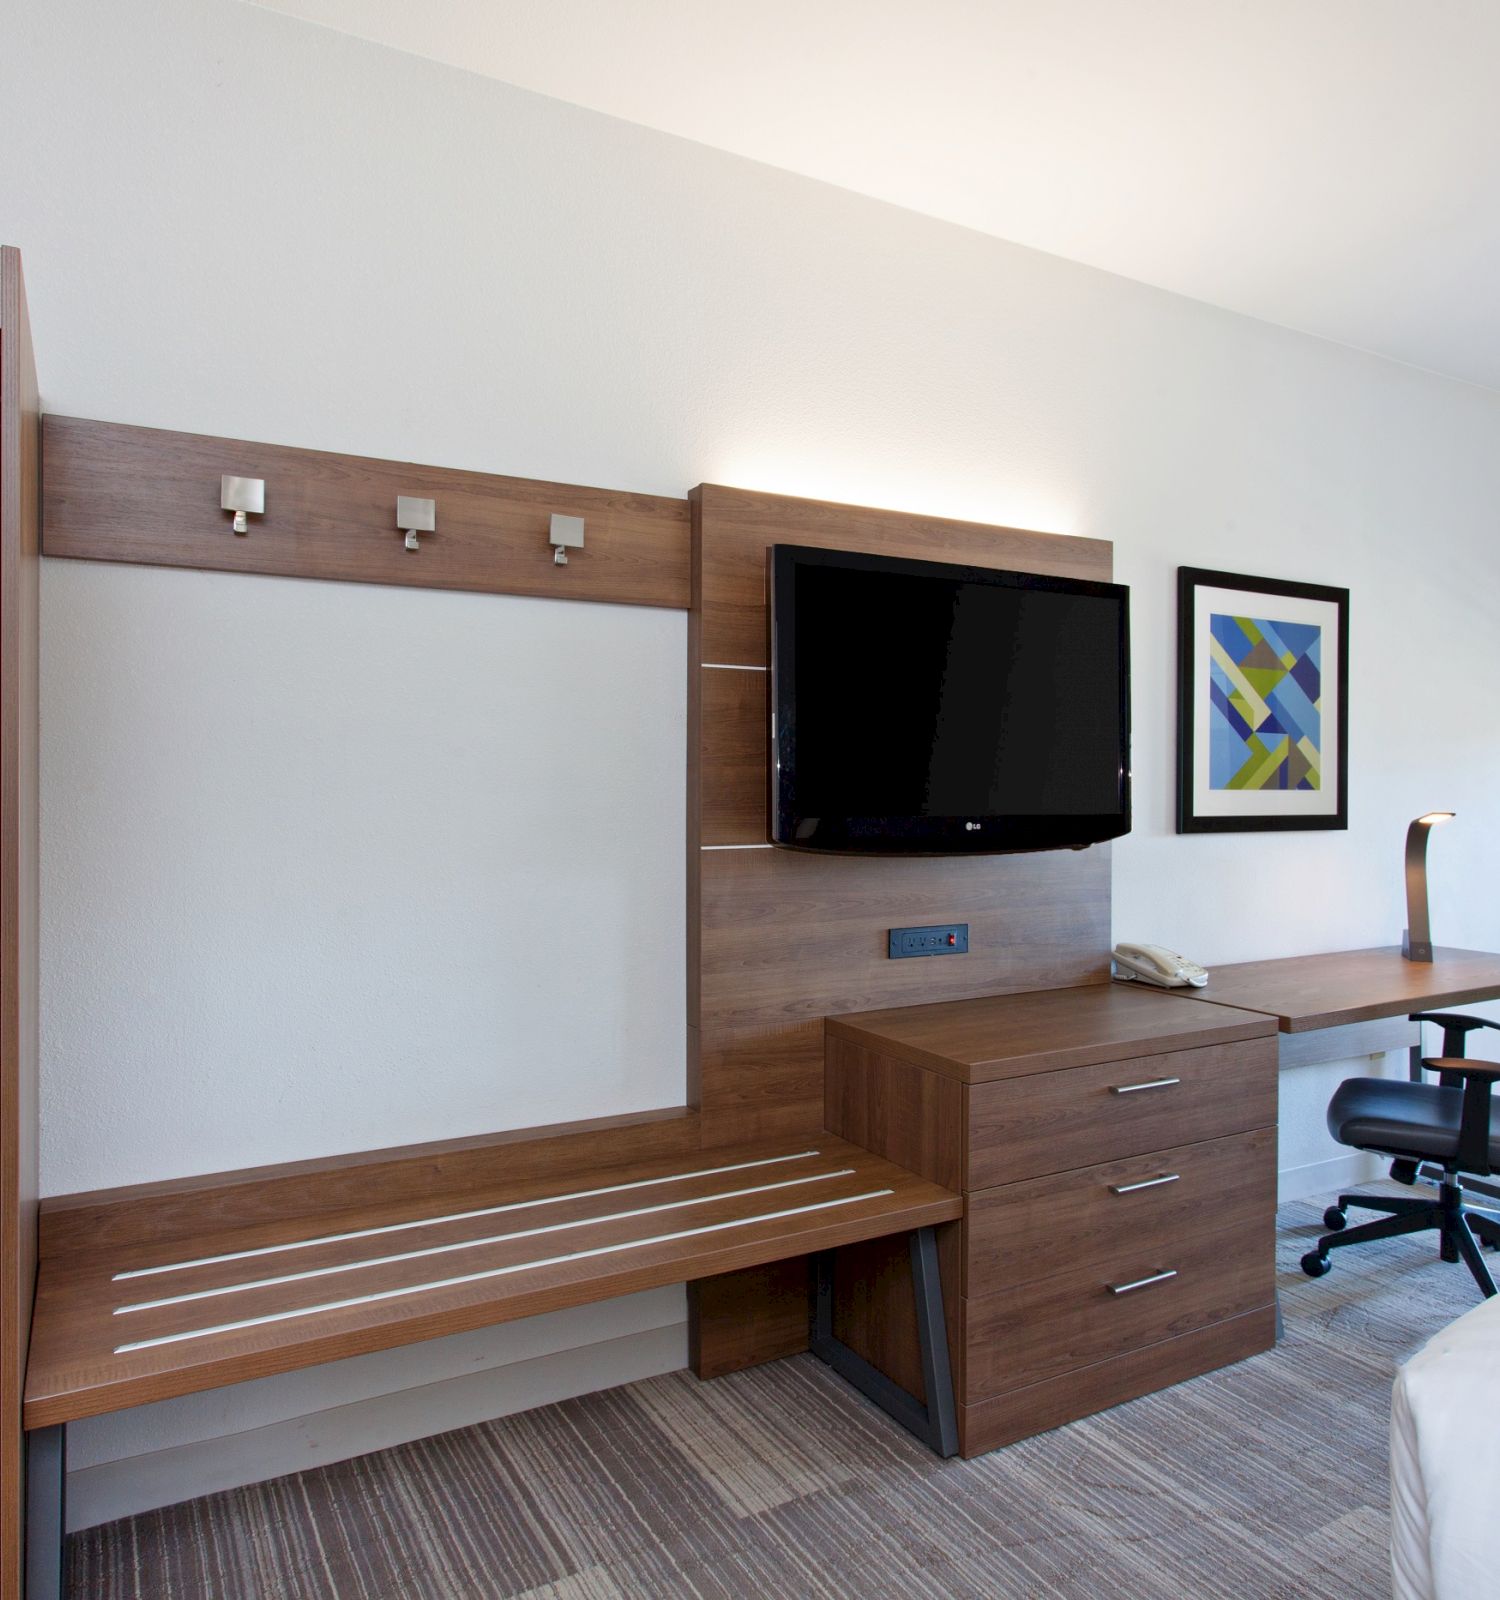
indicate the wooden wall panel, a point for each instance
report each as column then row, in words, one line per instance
column 791, row 937
column 117, row 493
column 740, row 526
column 19, row 521
column 760, row 1082
column 778, row 940
column 735, row 755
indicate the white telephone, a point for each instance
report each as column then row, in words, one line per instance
column 1151, row 963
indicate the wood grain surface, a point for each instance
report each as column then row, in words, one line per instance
column 1013, row 1232
column 751, row 1317
column 765, row 1203
column 1011, row 1036
column 903, row 1112
column 790, row 937
column 734, row 753
column 758, row 1082
column 778, row 940
column 258, row 1203
column 147, row 495
column 1031, row 1332
column 1305, row 993
column 740, row 525
column 875, row 1309
column 1001, row 1419
column 1058, row 1121
column 1042, row 1146
column 19, row 530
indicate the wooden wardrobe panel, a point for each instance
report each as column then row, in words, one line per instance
column 735, row 754
column 790, row 937
column 760, row 1082
column 779, row 940
column 19, row 526
column 117, row 493
column 740, row 526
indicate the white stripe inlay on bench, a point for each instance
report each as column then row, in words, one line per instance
column 461, row 1216
column 493, row 1272
column 475, row 1244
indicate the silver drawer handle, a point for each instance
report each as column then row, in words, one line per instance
column 1141, row 1283
column 1131, row 1088
column 1145, row 1183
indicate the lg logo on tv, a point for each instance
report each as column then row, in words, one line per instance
column 971, row 827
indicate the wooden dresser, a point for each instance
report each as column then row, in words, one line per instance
column 1116, row 1149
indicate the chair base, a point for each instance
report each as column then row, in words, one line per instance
column 1455, row 1223
column 1485, row 1219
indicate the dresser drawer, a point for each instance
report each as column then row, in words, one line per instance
column 1040, row 1330
column 1001, row 1419
column 1057, row 1121
column 1085, row 1218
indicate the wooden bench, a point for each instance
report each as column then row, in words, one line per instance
column 167, row 1289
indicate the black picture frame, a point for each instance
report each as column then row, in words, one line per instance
column 1260, row 809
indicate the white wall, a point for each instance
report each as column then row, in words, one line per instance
column 328, row 871
column 237, row 223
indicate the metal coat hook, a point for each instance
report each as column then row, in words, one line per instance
column 244, row 497
column 566, row 534
column 414, row 516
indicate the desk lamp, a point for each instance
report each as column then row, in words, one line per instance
column 1416, row 942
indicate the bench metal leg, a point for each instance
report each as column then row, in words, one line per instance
column 936, row 1423
column 46, row 1524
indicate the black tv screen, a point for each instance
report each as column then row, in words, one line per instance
column 918, row 707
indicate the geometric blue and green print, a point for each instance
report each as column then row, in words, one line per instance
column 1265, row 699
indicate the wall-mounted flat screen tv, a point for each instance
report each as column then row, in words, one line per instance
column 921, row 708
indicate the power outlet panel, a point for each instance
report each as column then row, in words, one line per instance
column 947, row 939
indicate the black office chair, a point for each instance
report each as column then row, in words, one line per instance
column 1446, row 1124
column 1456, row 1030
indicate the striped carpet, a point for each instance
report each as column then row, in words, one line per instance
column 1265, row 1480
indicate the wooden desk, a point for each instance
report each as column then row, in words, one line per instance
column 1116, row 1149
column 1347, row 987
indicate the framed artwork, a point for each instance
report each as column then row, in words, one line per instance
column 1262, row 704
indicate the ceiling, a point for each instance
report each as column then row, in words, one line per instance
column 1329, row 165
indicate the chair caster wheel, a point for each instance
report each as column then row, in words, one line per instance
column 1335, row 1220
column 1314, row 1265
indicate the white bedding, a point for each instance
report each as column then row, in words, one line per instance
column 1445, row 1464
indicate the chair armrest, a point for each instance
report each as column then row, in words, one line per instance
column 1479, row 1078
column 1464, row 1067
column 1456, row 1026
column 1453, row 1019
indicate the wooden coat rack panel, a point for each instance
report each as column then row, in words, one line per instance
column 150, row 496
